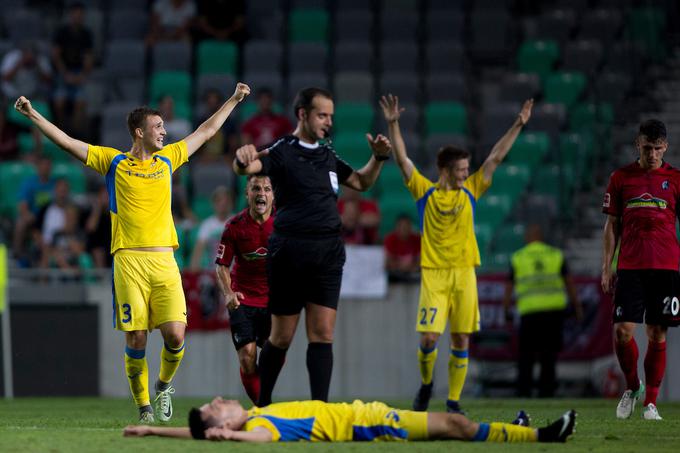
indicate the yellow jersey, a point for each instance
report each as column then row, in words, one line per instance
column 140, row 193
column 447, row 221
column 337, row 422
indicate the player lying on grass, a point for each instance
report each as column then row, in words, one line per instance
column 339, row 422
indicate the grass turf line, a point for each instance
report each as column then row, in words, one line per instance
column 95, row 424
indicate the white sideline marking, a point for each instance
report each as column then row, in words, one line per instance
column 47, row 428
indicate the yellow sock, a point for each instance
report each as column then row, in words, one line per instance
column 138, row 375
column 170, row 360
column 505, row 432
column 426, row 361
column 458, row 361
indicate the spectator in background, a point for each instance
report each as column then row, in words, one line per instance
column 402, row 251
column 265, row 126
column 54, row 218
column 67, row 251
column 34, row 195
column 210, row 231
column 176, row 128
column 182, row 214
column 171, row 20
column 9, row 148
column 226, row 139
column 360, row 218
column 24, row 71
column 98, row 229
column 223, row 20
column 73, row 60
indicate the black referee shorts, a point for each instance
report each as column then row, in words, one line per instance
column 649, row 296
column 302, row 271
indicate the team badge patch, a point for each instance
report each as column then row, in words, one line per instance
column 664, row 185
column 607, row 200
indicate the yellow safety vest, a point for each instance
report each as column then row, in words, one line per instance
column 3, row 275
column 539, row 285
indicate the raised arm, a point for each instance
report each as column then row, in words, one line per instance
column 392, row 112
column 205, row 131
column 612, row 230
column 364, row 178
column 74, row 147
column 232, row 299
column 502, row 146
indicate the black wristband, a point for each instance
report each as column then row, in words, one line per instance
column 240, row 164
column 380, row 158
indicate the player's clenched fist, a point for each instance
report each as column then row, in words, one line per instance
column 247, row 154
column 23, row 105
column 242, row 90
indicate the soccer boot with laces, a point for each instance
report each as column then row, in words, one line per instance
column 422, row 399
column 163, row 403
column 560, row 429
column 522, row 419
column 650, row 412
column 626, row 405
column 146, row 418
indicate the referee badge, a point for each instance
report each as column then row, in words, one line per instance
column 334, row 181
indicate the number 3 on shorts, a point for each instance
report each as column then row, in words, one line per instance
column 127, row 316
column 423, row 316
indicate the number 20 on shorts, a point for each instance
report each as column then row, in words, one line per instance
column 427, row 316
column 671, row 306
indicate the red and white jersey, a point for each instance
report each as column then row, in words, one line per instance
column 245, row 242
column 646, row 201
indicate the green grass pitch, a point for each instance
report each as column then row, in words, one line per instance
column 95, row 424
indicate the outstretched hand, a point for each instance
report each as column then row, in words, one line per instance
column 218, row 433
column 23, row 106
column 136, row 431
column 390, row 108
column 242, row 90
column 525, row 113
column 380, row 145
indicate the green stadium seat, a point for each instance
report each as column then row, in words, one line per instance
column 556, row 181
column 498, row 262
column 353, row 148
column 390, row 180
column 509, row 238
column 217, row 57
column 565, row 87
column 445, row 117
column 353, row 117
column 202, row 207
column 538, row 56
column 588, row 116
column 182, row 110
column 392, row 207
column 12, row 175
column 71, row 172
column 175, row 83
column 483, row 233
column 530, row 149
column 26, row 145
column 241, row 201
column 646, row 27
column 17, row 118
column 510, row 180
column 308, row 25
column 493, row 209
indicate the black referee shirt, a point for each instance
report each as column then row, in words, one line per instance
column 305, row 183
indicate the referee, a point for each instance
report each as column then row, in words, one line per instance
column 306, row 251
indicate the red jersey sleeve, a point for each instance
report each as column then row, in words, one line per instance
column 225, row 249
column 611, row 204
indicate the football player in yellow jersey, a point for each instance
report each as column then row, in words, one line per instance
column 318, row 421
column 147, row 284
column 449, row 252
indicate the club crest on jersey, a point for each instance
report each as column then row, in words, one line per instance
column 646, row 200
column 664, row 185
column 607, row 200
column 257, row 254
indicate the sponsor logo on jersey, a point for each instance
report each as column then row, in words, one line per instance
column 646, row 200
column 607, row 200
column 258, row 254
column 220, row 251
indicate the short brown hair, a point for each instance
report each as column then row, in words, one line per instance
column 137, row 118
column 448, row 155
column 304, row 98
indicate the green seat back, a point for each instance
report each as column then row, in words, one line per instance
column 565, row 87
column 445, row 117
column 354, row 117
column 538, row 56
column 308, row 25
column 217, row 57
column 530, row 149
column 588, row 115
column 399, row 202
column 174, row 83
column 71, row 172
column 353, row 148
column 17, row 118
column 12, row 175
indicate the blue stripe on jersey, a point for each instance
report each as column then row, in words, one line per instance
column 473, row 202
column 167, row 161
column 368, row 433
column 292, row 429
column 460, row 354
column 135, row 353
column 111, row 182
column 420, row 204
column 482, row 433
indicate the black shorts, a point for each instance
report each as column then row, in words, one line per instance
column 302, row 271
column 649, row 296
column 249, row 324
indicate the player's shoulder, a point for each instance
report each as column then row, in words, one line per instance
column 625, row 171
column 282, row 143
column 238, row 219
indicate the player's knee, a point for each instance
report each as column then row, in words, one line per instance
column 656, row 334
column 429, row 340
column 459, row 427
column 623, row 334
column 174, row 339
column 460, row 340
column 136, row 339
